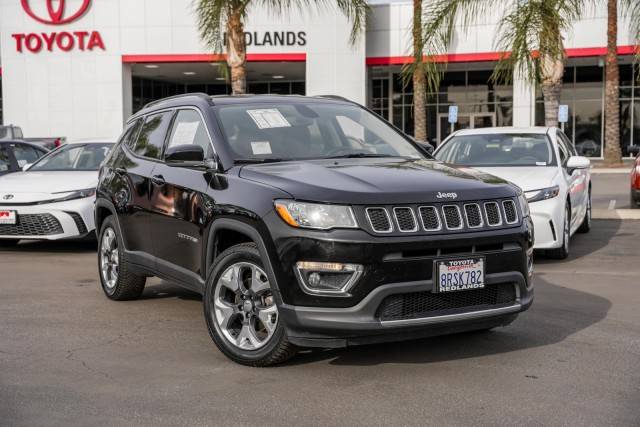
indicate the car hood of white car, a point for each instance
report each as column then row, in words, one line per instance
column 30, row 187
column 526, row 177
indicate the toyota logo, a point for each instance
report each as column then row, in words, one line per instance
column 8, row 197
column 57, row 15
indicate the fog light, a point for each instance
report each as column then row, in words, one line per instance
column 327, row 278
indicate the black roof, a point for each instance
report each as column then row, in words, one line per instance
column 204, row 100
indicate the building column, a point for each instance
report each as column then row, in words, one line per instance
column 524, row 102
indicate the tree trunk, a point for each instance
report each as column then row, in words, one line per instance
column 612, row 152
column 419, row 79
column 237, row 53
column 552, row 72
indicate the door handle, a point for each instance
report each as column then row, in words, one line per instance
column 158, row 180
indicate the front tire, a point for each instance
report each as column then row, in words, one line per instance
column 585, row 227
column 241, row 312
column 119, row 283
column 634, row 199
column 563, row 251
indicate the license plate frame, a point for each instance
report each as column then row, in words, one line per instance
column 8, row 217
column 459, row 265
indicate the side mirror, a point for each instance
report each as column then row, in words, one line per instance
column 184, row 155
column 577, row 162
column 423, row 145
column 634, row 150
column 26, row 167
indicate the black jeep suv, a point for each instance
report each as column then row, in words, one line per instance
column 307, row 222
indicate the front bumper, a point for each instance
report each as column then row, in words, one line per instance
column 53, row 221
column 547, row 216
column 394, row 266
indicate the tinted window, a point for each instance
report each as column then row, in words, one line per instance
column 73, row 157
column 151, row 138
column 308, row 131
column 5, row 161
column 498, row 150
column 189, row 129
column 25, row 154
column 129, row 136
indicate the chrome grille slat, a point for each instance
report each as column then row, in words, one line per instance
column 473, row 215
column 430, row 218
column 492, row 211
column 452, row 217
column 510, row 212
column 405, row 219
column 379, row 220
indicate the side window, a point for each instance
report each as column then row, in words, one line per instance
column 568, row 145
column 18, row 133
column 24, row 154
column 5, row 161
column 564, row 151
column 152, row 135
column 188, row 129
column 129, row 135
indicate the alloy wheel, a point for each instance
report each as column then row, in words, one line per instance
column 109, row 258
column 244, row 307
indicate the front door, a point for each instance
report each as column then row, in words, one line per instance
column 465, row 121
column 177, row 203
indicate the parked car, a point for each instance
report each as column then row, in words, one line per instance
column 543, row 162
column 307, row 222
column 11, row 132
column 15, row 154
column 54, row 197
column 634, row 199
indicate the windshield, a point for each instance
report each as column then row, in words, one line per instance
column 309, row 131
column 497, row 150
column 73, row 157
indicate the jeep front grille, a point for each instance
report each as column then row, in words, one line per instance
column 449, row 217
column 33, row 225
column 379, row 220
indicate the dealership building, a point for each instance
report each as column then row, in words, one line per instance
column 79, row 68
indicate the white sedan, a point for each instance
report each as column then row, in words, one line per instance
column 544, row 164
column 53, row 198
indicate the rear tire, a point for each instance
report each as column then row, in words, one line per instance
column 563, row 251
column 8, row 243
column 119, row 283
column 241, row 312
column 633, row 202
column 585, row 227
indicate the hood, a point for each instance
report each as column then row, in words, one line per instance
column 377, row 181
column 526, row 177
column 30, row 187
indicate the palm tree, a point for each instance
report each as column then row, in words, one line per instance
column 612, row 151
column 529, row 33
column 221, row 26
column 417, row 73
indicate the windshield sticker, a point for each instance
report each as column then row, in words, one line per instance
column 268, row 118
column 184, row 134
column 541, row 163
column 260, row 147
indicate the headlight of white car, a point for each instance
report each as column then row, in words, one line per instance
column 543, row 194
column 314, row 215
column 76, row 194
column 524, row 205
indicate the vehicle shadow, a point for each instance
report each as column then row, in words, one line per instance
column 168, row 290
column 54, row 246
column 601, row 234
column 556, row 314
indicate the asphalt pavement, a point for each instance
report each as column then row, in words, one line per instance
column 69, row 356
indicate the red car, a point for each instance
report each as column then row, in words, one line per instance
column 635, row 178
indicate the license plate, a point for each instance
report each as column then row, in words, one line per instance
column 8, row 217
column 459, row 274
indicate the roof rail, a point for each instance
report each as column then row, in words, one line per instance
column 197, row 94
column 335, row 97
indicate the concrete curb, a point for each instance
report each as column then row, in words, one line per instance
column 616, row 214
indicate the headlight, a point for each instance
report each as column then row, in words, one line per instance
column 544, row 194
column 524, row 205
column 313, row 215
column 76, row 194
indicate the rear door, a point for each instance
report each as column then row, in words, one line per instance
column 134, row 165
column 177, row 202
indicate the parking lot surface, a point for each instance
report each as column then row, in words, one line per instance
column 69, row 356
